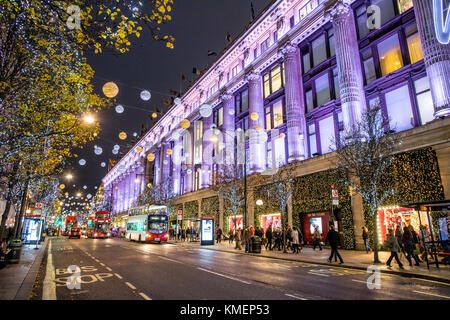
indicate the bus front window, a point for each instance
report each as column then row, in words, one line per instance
column 157, row 224
column 103, row 228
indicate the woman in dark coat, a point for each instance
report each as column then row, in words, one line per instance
column 408, row 246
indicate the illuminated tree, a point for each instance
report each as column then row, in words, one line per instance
column 363, row 153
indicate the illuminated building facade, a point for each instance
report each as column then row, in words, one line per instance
column 301, row 73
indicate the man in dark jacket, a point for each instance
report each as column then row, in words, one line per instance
column 334, row 241
column 269, row 238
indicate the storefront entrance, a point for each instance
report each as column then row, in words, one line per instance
column 310, row 221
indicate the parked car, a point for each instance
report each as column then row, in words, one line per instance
column 75, row 233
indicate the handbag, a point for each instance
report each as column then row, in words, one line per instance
column 416, row 250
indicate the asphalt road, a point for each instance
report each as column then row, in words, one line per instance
column 116, row 269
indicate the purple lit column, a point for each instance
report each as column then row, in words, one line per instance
column 157, row 171
column 436, row 57
column 228, row 128
column 257, row 156
column 295, row 106
column 176, row 160
column 207, row 151
column 188, row 145
column 351, row 82
column 165, row 161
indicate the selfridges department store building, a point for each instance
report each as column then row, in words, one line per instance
column 300, row 74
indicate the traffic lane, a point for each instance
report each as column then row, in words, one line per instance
column 96, row 280
column 328, row 282
column 165, row 278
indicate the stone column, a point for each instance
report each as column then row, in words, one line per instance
column 189, row 160
column 295, row 106
column 228, row 128
column 257, row 152
column 358, row 218
column 351, row 81
column 207, row 148
column 165, row 161
column 436, row 57
column 176, row 159
column 289, row 212
column 200, row 207
column 157, row 172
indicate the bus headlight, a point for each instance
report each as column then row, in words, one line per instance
column 109, row 234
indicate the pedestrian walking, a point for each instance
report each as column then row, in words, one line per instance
column 269, row 238
column 295, row 240
column 300, row 239
column 317, row 237
column 277, row 238
column 237, row 239
column 246, row 238
column 219, row 235
column 399, row 235
column 408, row 245
column 365, row 236
column 394, row 247
column 334, row 241
column 289, row 239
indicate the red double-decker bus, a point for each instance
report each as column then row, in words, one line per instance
column 98, row 225
column 71, row 222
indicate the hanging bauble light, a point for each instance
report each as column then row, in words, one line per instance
column 154, row 115
column 62, row 186
column 103, row 164
column 115, row 151
column 139, row 149
column 254, row 116
column 116, row 147
column 177, row 101
column 185, row 123
column 135, row 134
column 146, row 95
column 122, row 135
column 120, row 108
column 110, row 89
column 205, row 110
column 169, row 152
column 82, row 162
column 98, row 150
column 150, row 157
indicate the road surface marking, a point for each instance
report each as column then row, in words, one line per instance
column 296, row 297
column 118, row 276
column 130, row 285
column 169, row 259
column 49, row 285
column 222, row 275
column 447, row 284
column 319, row 274
column 102, row 264
column 365, row 282
column 431, row 294
column 108, row 268
column 143, row 295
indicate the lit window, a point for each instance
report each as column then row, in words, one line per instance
column 398, row 105
column 235, row 70
column 268, row 119
column 331, row 42
column 404, row 5
column 309, row 100
column 277, row 114
column 312, row 139
column 306, row 62
column 319, row 50
column 276, row 79
column 369, row 66
column 327, row 134
column 390, row 55
column 266, row 85
column 322, row 90
column 414, row 45
column 424, row 100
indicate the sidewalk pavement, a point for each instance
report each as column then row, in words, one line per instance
column 17, row 280
column 352, row 259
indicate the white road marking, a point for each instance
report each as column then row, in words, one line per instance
column 447, row 284
column 168, row 259
column 319, row 274
column 49, row 285
column 360, row 281
column 143, row 295
column 118, row 276
column 108, row 268
column 102, row 264
column 431, row 294
column 130, row 285
column 294, row 296
column 222, row 275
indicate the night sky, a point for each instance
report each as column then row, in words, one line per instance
column 198, row 26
